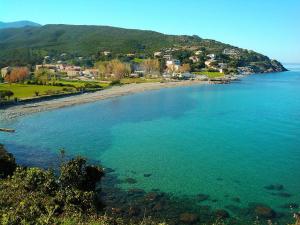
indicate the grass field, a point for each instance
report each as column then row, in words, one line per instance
column 210, row 74
column 82, row 83
column 25, row 91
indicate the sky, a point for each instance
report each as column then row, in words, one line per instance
column 270, row 27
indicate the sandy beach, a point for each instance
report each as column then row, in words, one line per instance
column 115, row 91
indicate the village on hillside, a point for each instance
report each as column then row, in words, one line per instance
column 64, row 74
column 169, row 63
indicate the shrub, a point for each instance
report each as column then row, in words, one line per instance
column 38, row 196
column 90, row 85
column 115, row 82
column 7, row 163
column 5, row 93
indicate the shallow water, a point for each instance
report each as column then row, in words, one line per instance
column 226, row 141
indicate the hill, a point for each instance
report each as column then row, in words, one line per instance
column 29, row 45
column 18, row 24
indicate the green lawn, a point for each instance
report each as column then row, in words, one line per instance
column 82, row 83
column 210, row 74
column 25, row 91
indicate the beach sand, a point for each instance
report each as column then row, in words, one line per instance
column 115, row 91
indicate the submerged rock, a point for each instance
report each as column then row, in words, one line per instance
column 152, row 196
column 264, row 212
column 130, row 180
column 290, row 206
column 202, row 197
column 134, row 211
column 136, row 191
column 236, row 199
column 221, row 214
column 274, row 187
column 157, row 207
column 109, row 170
column 188, row 218
column 282, row 194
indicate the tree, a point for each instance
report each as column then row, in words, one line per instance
column 185, row 68
column 151, row 66
column 17, row 75
column 5, row 93
column 114, row 68
column 7, row 163
column 44, row 75
column 119, row 69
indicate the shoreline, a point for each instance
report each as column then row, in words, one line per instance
column 115, row 91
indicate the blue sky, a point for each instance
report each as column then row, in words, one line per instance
column 270, row 27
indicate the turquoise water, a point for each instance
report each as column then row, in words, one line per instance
column 222, row 140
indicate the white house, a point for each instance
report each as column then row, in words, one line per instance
column 107, row 53
column 173, row 62
column 211, row 56
column 5, row 71
column 157, row 54
column 194, row 59
column 208, row 62
column 167, row 57
column 198, row 52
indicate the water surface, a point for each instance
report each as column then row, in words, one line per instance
column 226, row 141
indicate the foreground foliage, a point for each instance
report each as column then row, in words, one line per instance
column 38, row 196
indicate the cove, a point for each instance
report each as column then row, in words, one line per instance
column 226, row 141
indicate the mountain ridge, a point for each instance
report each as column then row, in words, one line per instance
column 28, row 45
column 18, row 24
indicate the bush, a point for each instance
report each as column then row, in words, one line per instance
column 90, row 85
column 5, row 93
column 7, row 163
column 115, row 82
column 38, row 196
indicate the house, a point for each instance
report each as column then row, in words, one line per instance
column 92, row 73
column 5, row 71
column 134, row 75
column 157, row 54
column 187, row 76
column 195, row 59
column 51, row 67
column 73, row 71
column 173, row 62
column 245, row 70
column 231, row 52
column 209, row 62
column 222, row 65
column 107, row 53
column 167, row 57
column 131, row 55
column 140, row 73
column 211, row 56
column 173, row 65
column 198, row 52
